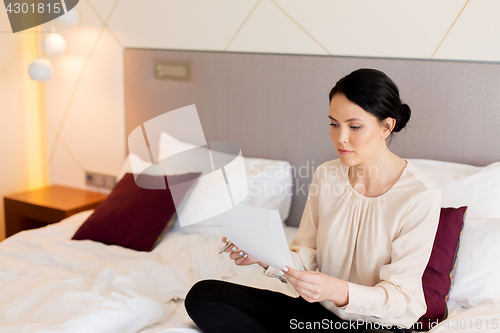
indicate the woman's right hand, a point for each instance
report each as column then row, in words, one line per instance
column 240, row 257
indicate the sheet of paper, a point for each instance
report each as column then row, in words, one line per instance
column 257, row 231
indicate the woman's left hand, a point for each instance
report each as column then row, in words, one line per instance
column 317, row 287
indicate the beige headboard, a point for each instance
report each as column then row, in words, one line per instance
column 276, row 105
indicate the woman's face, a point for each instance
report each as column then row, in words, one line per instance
column 355, row 130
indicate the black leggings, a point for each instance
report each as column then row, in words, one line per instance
column 219, row 306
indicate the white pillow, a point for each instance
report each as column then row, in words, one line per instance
column 169, row 146
column 478, row 188
column 477, row 274
column 269, row 181
column 269, row 186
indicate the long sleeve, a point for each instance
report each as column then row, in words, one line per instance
column 399, row 293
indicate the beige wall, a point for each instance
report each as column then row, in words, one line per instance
column 85, row 98
column 85, row 107
column 23, row 152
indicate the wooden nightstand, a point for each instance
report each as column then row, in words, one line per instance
column 38, row 208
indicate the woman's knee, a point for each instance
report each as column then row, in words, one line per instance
column 201, row 292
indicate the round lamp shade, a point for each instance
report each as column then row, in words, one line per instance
column 54, row 44
column 70, row 18
column 40, row 70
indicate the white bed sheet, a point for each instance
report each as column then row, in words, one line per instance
column 49, row 283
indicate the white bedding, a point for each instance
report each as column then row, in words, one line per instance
column 49, row 283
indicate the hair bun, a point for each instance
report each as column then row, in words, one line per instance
column 405, row 113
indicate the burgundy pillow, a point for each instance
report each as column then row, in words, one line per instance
column 132, row 216
column 436, row 279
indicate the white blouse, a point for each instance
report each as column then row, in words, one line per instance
column 379, row 245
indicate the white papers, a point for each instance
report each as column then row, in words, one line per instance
column 257, row 231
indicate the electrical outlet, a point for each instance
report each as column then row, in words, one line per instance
column 99, row 180
column 109, row 182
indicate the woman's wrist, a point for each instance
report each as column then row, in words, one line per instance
column 342, row 297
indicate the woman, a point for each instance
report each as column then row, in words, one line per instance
column 365, row 236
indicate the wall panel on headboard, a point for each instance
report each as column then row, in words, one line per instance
column 276, row 105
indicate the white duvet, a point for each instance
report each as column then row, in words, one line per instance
column 49, row 283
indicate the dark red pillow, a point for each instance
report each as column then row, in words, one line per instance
column 436, row 279
column 132, row 216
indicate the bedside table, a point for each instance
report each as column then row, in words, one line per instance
column 38, row 208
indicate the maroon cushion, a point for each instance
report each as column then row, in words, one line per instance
column 436, row 279
column 132, row 216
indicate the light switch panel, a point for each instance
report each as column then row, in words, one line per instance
column 100, row 180
column 173, row 70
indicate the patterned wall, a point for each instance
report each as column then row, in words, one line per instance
column 85, row 98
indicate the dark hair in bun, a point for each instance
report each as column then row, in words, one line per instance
column 376, row 93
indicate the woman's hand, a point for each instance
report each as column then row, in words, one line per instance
column 240, row 257
column 317, row 287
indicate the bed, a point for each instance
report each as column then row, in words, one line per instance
column 55, row 285
column 50, row 283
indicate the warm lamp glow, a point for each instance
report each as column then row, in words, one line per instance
column 36, row 150
column 54, row 44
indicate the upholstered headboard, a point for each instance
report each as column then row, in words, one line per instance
column 276, row 105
